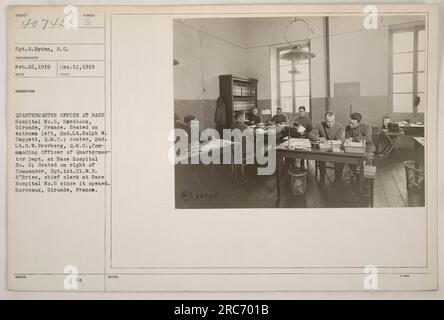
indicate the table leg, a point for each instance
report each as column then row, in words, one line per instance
column 279, row 180
column 233, row 165
column 361, row 176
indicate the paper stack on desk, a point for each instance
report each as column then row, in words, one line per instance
column 331, row 145
column 215, row 144
column 354, row 147
column 295, row 143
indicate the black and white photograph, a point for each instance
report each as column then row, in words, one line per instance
column 300, row 111
column 222, row 151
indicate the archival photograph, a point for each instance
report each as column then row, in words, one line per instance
column 299, row 112
column 222, row 149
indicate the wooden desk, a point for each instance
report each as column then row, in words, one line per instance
column 412, row 129
column 189, row 171
column 283, row 151
column 419, row 141
column 204, row 148
column 419, row 148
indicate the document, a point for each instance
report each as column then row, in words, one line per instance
column 136, row 162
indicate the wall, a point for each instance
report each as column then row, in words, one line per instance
column 359, row 63
column 205, row 49
column 361, row 57
column 264, row 36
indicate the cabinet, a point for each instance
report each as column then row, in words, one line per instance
column 238, row 93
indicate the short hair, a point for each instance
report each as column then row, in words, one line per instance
column 356, row 116
column 238, row 115
column 189, row 118
column 279, row 108
column 330, row 114
column 302, row 107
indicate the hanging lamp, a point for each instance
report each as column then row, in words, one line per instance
column 297, row 52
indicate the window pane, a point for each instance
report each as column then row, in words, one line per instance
column 304, row 70
column 421, row 40
column 283, row 63
column 287, row 104
column 302, row 88
column 403, row 41
column 403, row 62
column 286, row 89
column 421, row 105
column 421, row 82
column 285, row 75
column 421, row 61
column 403, row 83
column 300, row 62
column 402, row 102
column 303, row 101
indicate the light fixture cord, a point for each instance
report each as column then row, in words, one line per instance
column 201, row 66
column 295, row 21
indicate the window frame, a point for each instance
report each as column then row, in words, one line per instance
column 307, row 44
column 415, row 28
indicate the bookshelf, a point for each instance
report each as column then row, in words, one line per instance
column 238, row 93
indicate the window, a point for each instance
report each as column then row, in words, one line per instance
column 294, row 89
column 408, row 70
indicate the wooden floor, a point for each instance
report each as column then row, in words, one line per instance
column 199, row 186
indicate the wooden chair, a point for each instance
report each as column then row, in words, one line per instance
column 318, row 169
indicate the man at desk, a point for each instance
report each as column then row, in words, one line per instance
column 179, row 124
column 358, row 130
column 254, row 117
column 239, row 121
column 328, row 130
column 303, row 120
column 279, row 117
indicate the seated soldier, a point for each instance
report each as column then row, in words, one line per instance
column 304, row 120
column 179, row 125
column 328, row 130
column 358, row 130
column 300, row 132
column 254, row 117
column 279, row 117
column 239, row 121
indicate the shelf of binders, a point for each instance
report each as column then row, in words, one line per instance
column 243, row 90
column 238, row 93
column 243, row 104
